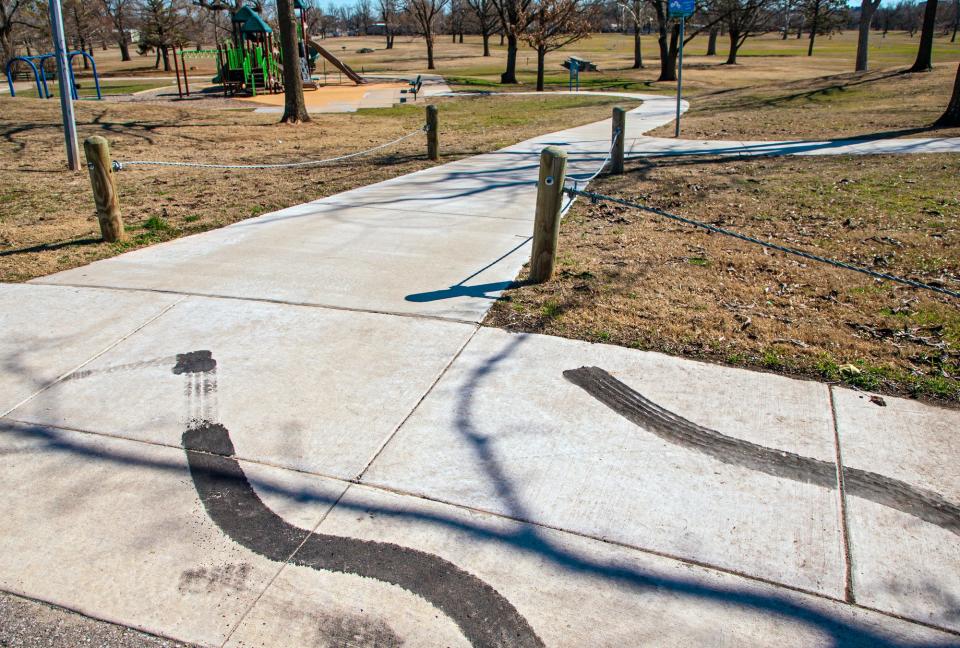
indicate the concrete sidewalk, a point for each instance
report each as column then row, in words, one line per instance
column 292, row 431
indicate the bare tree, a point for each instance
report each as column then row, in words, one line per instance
column 825, row 17
column 294, row 107
column 951, row 117
column 161, row 28
column 486, row 16
column 513, row 16
column 11, row 15
column 424, row 13
column 635, row 9
column 362, row 14
column 743, row 19
column 120, row 13
column 388, row 13
column 552, row 24
column 924, row 62
column 867, row 9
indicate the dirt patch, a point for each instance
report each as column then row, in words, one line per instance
column 47, row 217
column 631, row 278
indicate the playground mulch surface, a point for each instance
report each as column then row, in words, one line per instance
column 630, row 278
column 47, row 216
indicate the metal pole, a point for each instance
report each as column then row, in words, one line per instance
column 680, row 76
column 66, row 91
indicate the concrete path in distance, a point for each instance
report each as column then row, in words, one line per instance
column 293, row 431
column 662, row 146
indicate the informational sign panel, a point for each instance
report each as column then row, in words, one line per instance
column 681, row 8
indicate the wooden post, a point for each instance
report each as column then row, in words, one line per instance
column 97, row 150
column 433, row 133
column 546, row 226
column 619, row 133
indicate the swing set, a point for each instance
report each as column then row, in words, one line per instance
column 40, row 74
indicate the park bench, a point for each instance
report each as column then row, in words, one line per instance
column 415, row 86
column 582, row 65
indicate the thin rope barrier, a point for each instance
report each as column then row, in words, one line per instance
column 595, row 197
column 120, row 166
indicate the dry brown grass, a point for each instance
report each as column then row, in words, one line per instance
column 47, row 218
column 630, row 278
column 887, row 103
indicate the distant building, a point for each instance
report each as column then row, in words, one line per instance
column 377, row 29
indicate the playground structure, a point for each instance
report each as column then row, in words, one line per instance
column 252, row 63
column 40, row 74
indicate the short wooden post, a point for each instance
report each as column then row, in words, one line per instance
column 546, row 226
column 433, row 133
column 97, row 150
column 618, row 137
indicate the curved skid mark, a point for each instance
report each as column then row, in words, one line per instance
column 484, row 616
column 893, row 493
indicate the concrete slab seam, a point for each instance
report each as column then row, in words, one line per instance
column 80, row 366
column 848, row 594
column 263, row 300
column 283, row 566
column 416, row 405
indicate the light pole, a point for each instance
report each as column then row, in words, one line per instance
column 65, row 86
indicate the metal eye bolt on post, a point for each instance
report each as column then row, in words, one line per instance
column 64, row 85
column 680, row 9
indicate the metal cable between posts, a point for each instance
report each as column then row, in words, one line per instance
column 603, row 165
column 120, row 166
column 595, row 197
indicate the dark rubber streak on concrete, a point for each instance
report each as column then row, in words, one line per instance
column 920, row 503
column 484, row 616
column 194, row 362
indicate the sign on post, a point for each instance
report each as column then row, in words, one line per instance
column 681, row 8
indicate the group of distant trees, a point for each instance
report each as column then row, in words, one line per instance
column 158, row 26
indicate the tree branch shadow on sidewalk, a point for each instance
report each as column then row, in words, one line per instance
column 522, row 535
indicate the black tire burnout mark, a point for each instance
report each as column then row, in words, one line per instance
column 484, row 617
column 920, row 503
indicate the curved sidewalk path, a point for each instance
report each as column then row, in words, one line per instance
column 293, row 431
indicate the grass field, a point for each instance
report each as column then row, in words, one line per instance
column 47, row 218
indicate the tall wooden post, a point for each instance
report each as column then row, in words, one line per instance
column 433, row 133
column 619, row 137
column 100, row 165
column 546, row 226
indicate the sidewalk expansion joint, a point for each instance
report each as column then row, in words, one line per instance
column 848, row 594
column 264, row 300
column 80, row 366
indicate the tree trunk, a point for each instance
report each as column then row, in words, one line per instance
column 486, row 44
column 813, row 27
column 712, row 42
column 510, row 74
column 668, row 64
column 461, row 37
column 541, row 58
column 454, row 35
column 156, row 63
column 800, row 28
column 165, row 50
column 867, row 7
column 430, row 64
column 951, row 117
column 637, row 50
column 734, row 46
column 124, row 47
column 501, row 39
column 294, row 107
column 924, row 62
column 956, row 20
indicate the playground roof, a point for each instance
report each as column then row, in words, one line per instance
column 243, row 14
column 255, row 25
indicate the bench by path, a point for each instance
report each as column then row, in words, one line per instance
column 292, row 431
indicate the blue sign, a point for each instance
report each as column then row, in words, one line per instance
column 681, row 8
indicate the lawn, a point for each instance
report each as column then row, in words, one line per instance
column 87, row 89
column 631, row 278
column 47, row 220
